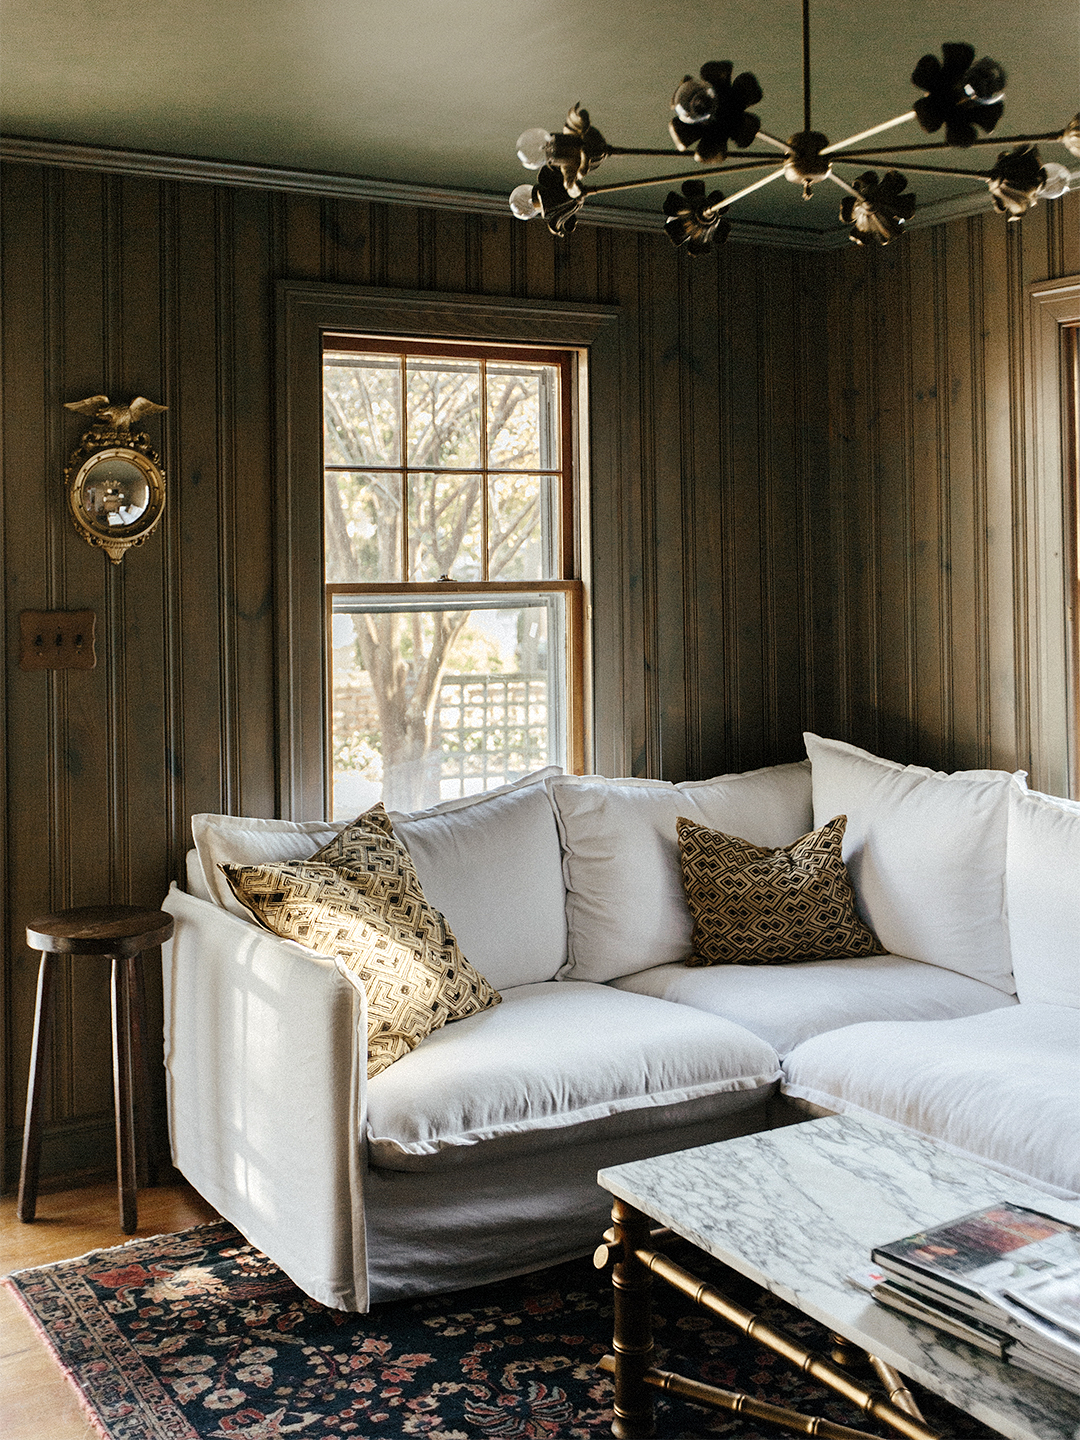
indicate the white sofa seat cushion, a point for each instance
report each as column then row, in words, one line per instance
column 787, row 1004
column 557, row 1063
column 926, row 855
column 1003, row 1086
column 492, row 865
column 625, row 905
column 1042, row 886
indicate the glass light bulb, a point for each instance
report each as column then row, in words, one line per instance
column 523, row 203
column 1056, row 182
column 984, row 82
column 532, row 147
column 693, row 101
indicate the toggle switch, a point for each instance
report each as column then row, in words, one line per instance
column 57, row 640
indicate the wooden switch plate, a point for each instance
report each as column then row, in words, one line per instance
column 57, row 640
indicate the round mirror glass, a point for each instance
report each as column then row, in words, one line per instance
column 114, row 492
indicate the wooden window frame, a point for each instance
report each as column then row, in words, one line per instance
column 1051, row 687
column 307, row 311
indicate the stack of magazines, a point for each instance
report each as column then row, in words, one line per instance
column 1006, row 1279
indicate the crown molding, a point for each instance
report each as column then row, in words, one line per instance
column 330, row 184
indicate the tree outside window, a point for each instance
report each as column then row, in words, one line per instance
column 451, row 607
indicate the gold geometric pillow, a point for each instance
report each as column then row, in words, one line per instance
column 753, row 906
column 377, row 921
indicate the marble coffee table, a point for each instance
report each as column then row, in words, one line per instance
column 797, row 1210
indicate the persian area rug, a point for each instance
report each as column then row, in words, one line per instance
column 195, row 1335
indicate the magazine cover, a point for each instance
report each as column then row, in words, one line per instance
column 998, row 1249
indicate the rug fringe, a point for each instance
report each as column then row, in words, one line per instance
column 84, row 1401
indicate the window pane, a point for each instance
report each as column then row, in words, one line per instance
column 362, row 526
column 361, row 410
column 433, row 703
column 444, row 412
column 523, row 416
column 445, row 520
column 523, row 527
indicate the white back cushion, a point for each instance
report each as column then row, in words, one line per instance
column 1042, row 885
column 245, row 840
column 625, row 906
column 926, row 855
column 491, row 864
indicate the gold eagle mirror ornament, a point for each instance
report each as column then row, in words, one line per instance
column 115, row 483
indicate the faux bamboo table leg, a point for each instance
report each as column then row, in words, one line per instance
column 632, row 1342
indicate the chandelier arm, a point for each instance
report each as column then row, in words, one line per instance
column 999, row 140
column 629, row 150
column 865, row 134
column 749, row 189
column 772, row 140
column 682, row 175
column 843, row 184
column 941, row 170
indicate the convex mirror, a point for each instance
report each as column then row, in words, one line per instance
column 116, row 486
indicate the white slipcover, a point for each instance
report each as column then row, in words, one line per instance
column 625, row 906
column 787, row 1004
column 492, row 865
column 1003, row 1086
column 1042, row 884
column 926, row 855
column 556, row 1063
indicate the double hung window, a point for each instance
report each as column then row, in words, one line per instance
column 453, row 611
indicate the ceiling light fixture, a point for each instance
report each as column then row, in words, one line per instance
column 712, row 114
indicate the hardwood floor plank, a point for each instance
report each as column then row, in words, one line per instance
column 36, row 1399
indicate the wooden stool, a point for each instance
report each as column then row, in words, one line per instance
column 122, row 933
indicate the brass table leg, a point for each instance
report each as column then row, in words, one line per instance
column 632, row 1342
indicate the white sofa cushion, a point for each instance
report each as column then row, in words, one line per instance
column 926, row 855
column 1003, row 1086
column 788, row 1004
column 1042, row 886
column 557, row 1063
column 625, row 905
column 492, row 865
column 246, row 840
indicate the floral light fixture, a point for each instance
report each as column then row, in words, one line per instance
column 712, row 114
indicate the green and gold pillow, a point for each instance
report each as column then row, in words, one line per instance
column 366, row 907
column 754, row 906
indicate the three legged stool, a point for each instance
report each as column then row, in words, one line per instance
column 122, row 933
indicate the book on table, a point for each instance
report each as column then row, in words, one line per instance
column 1006, row 1275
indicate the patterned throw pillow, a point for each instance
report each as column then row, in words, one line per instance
column 360, row 900
column 753, row 906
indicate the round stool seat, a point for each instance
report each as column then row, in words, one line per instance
column 122, row 930
column 120, row 933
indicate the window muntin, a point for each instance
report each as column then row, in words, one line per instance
column 454, row 623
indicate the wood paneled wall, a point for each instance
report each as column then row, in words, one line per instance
column 128, row 285
column 823, row 484
column 933, row 482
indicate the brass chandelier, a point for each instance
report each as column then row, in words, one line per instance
column 712, row 114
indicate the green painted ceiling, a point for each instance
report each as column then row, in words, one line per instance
column 435, row 92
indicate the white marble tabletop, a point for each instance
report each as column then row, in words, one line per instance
column 799, row 1209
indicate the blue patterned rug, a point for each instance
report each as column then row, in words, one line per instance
column 198, row 1335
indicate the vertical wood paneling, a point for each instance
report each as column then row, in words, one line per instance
column 929, row 401
column 818, row 477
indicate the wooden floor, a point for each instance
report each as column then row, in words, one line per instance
column 36, row 1401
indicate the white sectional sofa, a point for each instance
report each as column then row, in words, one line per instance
column 474, row 1156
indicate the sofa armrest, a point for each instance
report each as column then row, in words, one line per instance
column 266, row 1077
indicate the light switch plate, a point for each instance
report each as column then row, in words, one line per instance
column 57, row 640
